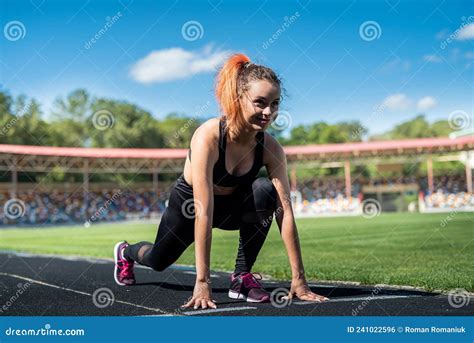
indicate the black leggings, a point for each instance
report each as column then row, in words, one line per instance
column 249, row 209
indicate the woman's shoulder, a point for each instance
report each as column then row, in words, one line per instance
column 210, row 127
column 271, row 142
column 207, row 132
column 211, row 123
column 272, row 148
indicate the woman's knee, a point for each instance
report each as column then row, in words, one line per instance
column 155, row 260
column 260, row 204
column 264, row 194
column 158, row 265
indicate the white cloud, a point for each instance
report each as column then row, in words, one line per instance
column 426, row 103
column 398, row 102
column 467, row 32
column 401, row 102
column 432, row 58
column 175, row 64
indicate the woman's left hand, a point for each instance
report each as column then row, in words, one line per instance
column 302, row 291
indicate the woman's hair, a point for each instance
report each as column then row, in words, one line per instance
column 232, row 81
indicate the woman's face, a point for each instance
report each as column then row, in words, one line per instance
column 260, row 104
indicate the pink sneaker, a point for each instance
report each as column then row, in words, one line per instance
column 123, row 272
column 247, row 287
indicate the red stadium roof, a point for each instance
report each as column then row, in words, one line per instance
column 422, row 144
column 381, row 146
column 92, row 152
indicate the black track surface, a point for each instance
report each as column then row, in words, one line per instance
column 53, row 286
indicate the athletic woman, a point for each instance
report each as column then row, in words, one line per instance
column 219, row 188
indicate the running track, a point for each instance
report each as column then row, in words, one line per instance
column 62, row 286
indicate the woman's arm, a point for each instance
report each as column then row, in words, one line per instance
column 204, row 158
column 277, row 170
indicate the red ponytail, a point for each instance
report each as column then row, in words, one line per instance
column 227, row 92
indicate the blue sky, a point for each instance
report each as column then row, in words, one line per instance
column 379, row 62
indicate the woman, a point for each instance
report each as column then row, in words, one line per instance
column 219, row 188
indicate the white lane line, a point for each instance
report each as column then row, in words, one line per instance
column 214, row 310
column 194, row 273
column 368, row 298
column 196, row 312
column 80, row 292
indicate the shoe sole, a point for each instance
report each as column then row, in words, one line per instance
column 240, row 296
column 116, row 252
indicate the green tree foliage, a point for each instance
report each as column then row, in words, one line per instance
column 118, row 124
column 417, row 127
column 440, row 128
column 178, row 130
column 323, row 133
column 21, row 123
column 69, row 119
column 81, row 120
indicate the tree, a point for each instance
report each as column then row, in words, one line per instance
column 22, row 123
column 120, row 124
column 441, row 128
column 323, row 133
column 69, row 117
column 5, row 106
column 417, row 127
column 76, row 106
column 178, row 130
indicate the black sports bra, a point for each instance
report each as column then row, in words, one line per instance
column 220, row 175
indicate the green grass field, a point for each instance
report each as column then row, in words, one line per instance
column 397, row 249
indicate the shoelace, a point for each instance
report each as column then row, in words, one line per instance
column 251, row 281
column 127, row 270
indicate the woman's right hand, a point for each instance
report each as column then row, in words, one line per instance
column 202, row 296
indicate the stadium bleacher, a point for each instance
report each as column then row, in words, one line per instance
column 313, row 197
column 63, row 207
